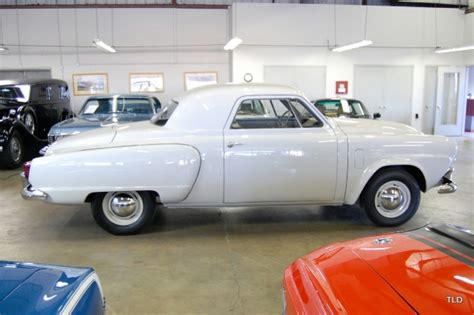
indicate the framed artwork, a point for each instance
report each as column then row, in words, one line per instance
column 196, row 79
column 90, row 83
column 146, row 82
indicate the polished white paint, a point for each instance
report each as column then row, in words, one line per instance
column 189, row 163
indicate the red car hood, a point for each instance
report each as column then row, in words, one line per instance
column 413, row 272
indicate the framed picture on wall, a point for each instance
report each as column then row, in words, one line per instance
column 196, row 79
column 90, row 83
column 146, row 82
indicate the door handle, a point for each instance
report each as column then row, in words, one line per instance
column 438, row 107
column 233, row 144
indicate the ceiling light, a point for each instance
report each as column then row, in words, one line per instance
column 232, row 43
column 455, row 49
column 3, row 48
column 353, row 46
column 100, row 44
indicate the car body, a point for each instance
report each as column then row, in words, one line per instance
column 31, row 288
column 423, row 271
column 219, row 149
column 343, row 107
column 28, row 109
column 103, row 110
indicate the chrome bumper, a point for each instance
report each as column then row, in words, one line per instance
column 448, row 186
column 31, row 193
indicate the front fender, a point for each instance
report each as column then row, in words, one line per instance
column 31, row 143
column 431, row 155
column 167, row 169
column 354, row 191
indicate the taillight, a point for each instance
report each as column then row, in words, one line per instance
column 26, row 169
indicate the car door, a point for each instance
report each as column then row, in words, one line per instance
column 277, row 149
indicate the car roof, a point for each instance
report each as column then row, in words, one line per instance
column 208, row 107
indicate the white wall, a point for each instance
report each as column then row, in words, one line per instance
column 171, row 41
column 300, row 35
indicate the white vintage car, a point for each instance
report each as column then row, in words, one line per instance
column 235, row 145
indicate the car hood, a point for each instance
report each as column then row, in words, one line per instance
column 27, row 288
column 421, row 266
column 373, row 126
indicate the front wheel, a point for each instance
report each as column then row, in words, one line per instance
column 123, row 212
column 14, row 152
column 391, row 198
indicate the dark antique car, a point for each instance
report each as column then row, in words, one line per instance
column 343, row 107
column 28, row 109
column 103, row 110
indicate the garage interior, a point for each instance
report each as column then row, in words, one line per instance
column 231, row 260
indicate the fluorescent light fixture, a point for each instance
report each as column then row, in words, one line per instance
column 232, row 43
column 454, row 49
column 360, row 44
column 100, row 44
column 3, row 48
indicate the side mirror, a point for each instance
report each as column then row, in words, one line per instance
column 377, row 115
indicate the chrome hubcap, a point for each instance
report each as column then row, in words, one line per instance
column 15, row 149
column 392, row 199
column 123, row 208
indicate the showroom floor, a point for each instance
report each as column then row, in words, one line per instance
column 201, row 261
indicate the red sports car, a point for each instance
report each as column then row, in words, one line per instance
column 424, row 271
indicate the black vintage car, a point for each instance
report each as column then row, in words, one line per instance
column 28, row 109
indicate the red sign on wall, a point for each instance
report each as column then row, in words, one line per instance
column 342, row 87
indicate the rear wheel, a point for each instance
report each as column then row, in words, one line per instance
column 14, row 152
column 123, row 212
column 391, row 198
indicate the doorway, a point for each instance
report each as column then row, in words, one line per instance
column 385, row 89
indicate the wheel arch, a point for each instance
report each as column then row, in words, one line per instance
column 414, row 170
column 91, row 196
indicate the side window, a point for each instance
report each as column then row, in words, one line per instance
column 63, row 92
column 306, row 118
column 45, row 93
column 264, row 113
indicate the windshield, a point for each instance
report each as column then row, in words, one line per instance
column 117, row 105
column 13, row 93
column 338, row 108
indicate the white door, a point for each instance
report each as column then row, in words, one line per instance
column 272, row 156
column 450, row 101
column 386, row 90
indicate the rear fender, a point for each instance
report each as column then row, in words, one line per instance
column 170, row 170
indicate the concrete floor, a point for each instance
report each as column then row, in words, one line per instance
column 202, row 261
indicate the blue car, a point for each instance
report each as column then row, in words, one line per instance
column 103, row 110
column 29, row 288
